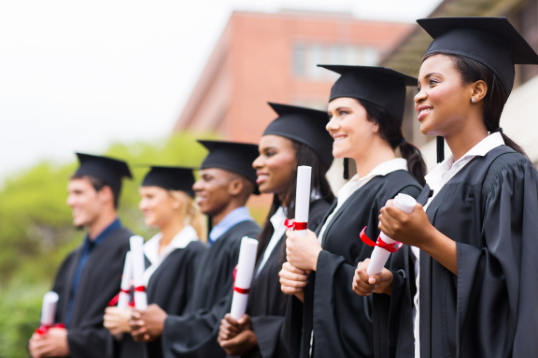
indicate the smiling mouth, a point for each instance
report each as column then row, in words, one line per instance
column 424, row 112
column 339, row 139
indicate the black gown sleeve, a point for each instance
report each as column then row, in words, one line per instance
column 335, row 303
column 269, row 329
column 497, row 285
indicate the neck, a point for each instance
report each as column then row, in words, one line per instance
column 103, row 221
column 376, row 154
column 466, row 138
column 169, row 231
column 217, row 218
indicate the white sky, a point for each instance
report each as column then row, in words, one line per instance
column 76, row 76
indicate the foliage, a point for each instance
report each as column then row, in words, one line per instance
column 36, row 231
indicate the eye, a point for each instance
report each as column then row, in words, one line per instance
column 343, row 112
column 433, row 81
column 270, row 153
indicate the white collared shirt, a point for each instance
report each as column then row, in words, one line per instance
column 151, row 249
column 436, row 180
column 355, row 183
column 277, row 220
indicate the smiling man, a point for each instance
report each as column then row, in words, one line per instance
column 90, row 275
column 227, row 179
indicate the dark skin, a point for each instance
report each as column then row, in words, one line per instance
column 445, row 108
column 274, row 166
column 218, row 192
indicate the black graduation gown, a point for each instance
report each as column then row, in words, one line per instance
column 171, row 288
column 490, row 208
column 194, row 333
column 99, row 283
column 266, row 301
column 340, row 319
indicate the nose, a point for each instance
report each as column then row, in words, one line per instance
column 258, row 162
column 197, row 186
column 332, row 125
column 420, row 96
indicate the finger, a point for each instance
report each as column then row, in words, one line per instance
column 228, row 318
column 292, row 283
column 293, row 276
column 289, row 267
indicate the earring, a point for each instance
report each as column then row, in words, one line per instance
column 473, row 99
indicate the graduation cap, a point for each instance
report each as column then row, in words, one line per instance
column 378, row 85
column 171, row 178
column 303, row 125
column 109, row 170
column 492, row 41
column 232, row 156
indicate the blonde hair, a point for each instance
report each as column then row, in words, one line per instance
column 191, row 213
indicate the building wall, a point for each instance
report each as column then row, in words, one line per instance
column 272, row 57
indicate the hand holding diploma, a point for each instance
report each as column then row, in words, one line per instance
column 243, row 278
column 365, row 285
column 236, row 337
column 147, row 325
column 385, row 245
column 416, row 230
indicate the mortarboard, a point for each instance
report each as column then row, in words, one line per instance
column 378, row 85
column 171, row 178
column 232, row 156
column 303, row 125
column 492, row 41
column 109, row 170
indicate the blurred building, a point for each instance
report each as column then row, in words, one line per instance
column 263, row 57
column 519, row 119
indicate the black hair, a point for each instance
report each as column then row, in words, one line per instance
column 496, row 96
column 304, row 155
column 99, row 184
column 390, row 129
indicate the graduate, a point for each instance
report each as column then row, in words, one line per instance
column 227, row 180
column 466, row 287
column 90, row 275
column 326, row 319
column 296, row 137
column 172, row 256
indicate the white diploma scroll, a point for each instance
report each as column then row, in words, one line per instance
column 243, row 277
column 302, row 198
column 137, row 256
column 380, row 256
column 126, row 278
column 48, row 311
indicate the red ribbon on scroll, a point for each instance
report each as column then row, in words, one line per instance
column 140, row 288
column 292, row 224
column 237, row 289
column 380, row 243
column 43, row 329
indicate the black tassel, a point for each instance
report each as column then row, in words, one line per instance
column 440, row 149
column 346, row 168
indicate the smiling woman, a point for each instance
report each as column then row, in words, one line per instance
column 296, row 137
column 464, row 282
column 365, row 109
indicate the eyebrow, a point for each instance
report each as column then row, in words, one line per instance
column 431, row 74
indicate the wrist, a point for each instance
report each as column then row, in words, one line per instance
column 314, row 259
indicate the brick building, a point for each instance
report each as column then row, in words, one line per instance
column 264, row 57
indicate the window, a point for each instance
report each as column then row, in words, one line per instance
column 306, row 57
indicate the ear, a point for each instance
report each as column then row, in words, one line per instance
column 177, row 200
column 235, row 187
column 106, row 195
column 479, row 90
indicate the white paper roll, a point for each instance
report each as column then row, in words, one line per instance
column 243, row 276
column 126, row 278
column 48, row 311
column 380, row 256
column 302, row 198
column 137, row 255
